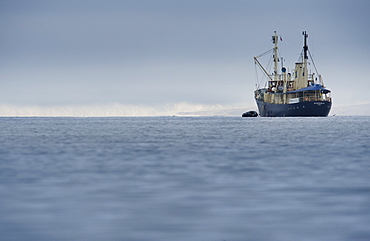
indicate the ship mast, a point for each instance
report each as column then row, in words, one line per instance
column 301, row 70
column 276, row 56
column 305, row 58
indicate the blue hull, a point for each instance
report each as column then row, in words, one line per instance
column 312, row 108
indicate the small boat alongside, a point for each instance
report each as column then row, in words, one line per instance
column 251, row 113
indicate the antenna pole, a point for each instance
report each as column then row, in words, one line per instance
column 305, row 58
column 276, row 56
column 305, row 47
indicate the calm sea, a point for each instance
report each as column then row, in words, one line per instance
column 185, row 178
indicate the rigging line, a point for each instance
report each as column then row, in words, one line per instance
column 261, row 68
column 255, row 68
column 300, row 58
column 266, row 75
column 313, row 62
column 269, row 65
column 263, row 54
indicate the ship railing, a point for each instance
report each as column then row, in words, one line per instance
column 310, row 98
column 310, row 77
column 314, row 98
column 280, row 77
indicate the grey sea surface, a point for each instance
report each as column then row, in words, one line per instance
column 185, row 178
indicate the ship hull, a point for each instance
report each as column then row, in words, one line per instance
column 312, row 108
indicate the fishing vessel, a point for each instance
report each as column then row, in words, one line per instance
column 299, row 92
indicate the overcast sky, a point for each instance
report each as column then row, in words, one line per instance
column 156, row 52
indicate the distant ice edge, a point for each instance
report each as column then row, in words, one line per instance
column 177, row 109
column 116, row 110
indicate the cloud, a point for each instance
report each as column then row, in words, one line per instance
column 157, row 52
